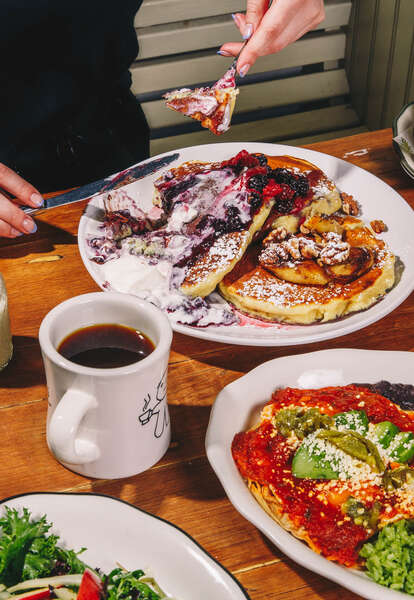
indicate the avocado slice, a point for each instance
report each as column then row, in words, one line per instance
column 403, row 444
column 310, row 465
column 355, row 420
column 385, row 433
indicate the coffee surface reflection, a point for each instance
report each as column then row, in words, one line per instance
column 105, row 346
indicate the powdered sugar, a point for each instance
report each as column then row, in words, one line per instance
column 262, row 286
column 334, row 251
column 226, row 249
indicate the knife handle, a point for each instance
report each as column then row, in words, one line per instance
column 29, row 210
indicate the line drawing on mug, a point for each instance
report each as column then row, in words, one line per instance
column 156, row 410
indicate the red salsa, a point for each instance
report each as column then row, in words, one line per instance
column 265, row 456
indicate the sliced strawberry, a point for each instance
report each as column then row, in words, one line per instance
column 91, row 587
column 34, row 594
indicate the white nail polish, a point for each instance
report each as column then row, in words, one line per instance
column 243, row 70
column 29, row 225
column 36, row 199
column 248, row 30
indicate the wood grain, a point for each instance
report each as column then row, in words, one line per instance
column 182, row 487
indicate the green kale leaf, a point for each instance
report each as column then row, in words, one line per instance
column 127, row 585
column 26, row 552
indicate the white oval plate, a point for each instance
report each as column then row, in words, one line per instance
column 236, row 409
column 378, row 201
column 114, row 531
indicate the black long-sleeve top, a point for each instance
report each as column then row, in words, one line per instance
column 60, row 60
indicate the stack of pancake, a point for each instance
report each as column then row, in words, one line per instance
column 313, row 264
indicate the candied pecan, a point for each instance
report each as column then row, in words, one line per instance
column 291, row 249
column 309, row 248
column 378, row 226
column 349, row 205
column 273, row 254
column 276, row 235
column 335, row 250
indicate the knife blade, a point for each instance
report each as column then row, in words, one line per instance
column 104, row 185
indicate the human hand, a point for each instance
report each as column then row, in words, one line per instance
column 13, row 221
column 272, row 28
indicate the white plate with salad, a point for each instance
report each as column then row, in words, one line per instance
column 127, row 552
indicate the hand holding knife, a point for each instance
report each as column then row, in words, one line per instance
column 15, row 191
column 19, row 199
column 103, row 185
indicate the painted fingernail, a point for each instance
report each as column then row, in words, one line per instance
column 243, row 70
column 36, row 199
column 235, row 18
column 224, row 53
column 248, row 30
column 29, row 225
column 15, row 232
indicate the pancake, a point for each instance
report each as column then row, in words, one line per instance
column 323, row 197
column 303, row 190
column 208, row 270
column 256, row 291
column 212, row 106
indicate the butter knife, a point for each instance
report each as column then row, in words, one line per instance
column 104, row 185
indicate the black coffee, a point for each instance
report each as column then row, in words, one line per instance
column 105, row 346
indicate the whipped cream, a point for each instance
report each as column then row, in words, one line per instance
column 152, row 282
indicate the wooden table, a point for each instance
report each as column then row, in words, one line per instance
column 45, row 269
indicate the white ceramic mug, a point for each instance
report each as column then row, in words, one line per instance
column 107, row 423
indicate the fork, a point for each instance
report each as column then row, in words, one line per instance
column 236, row 58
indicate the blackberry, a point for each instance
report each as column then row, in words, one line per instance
column 282, row 176
column 219, row 226
column 302, row 185
column 262, row 159
column 255, row 200
column 240, row 161
column 196, row 303
column 236, row 168
column 284, row 204
column 234, row 222
column 285, row 201
column 231, row 210
column 258, row 182
column 298, row 183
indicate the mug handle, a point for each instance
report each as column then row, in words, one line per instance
column 64, row 425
